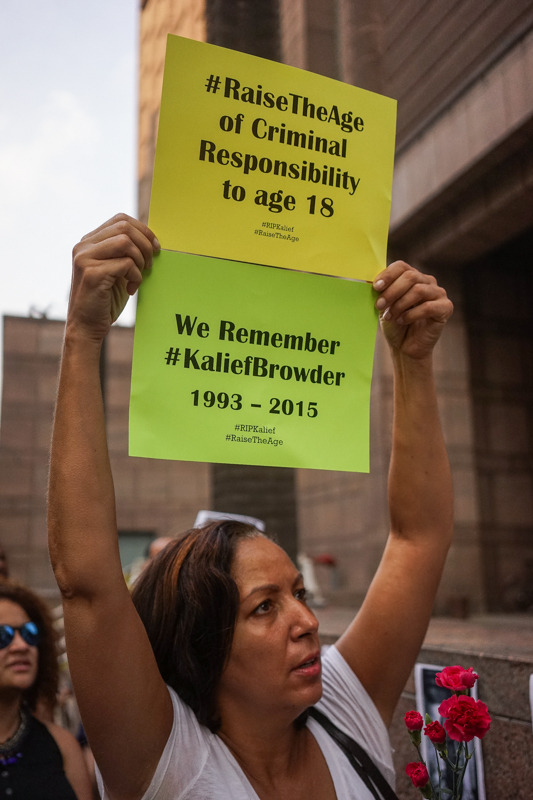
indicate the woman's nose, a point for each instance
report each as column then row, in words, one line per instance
column 18, row 642
column 305, row 621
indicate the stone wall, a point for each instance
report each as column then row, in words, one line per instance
column 500, row 649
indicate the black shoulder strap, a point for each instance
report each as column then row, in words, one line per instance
column 358, row 758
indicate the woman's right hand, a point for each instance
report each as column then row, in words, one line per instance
column 107, row 268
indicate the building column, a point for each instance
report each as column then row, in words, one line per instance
column 264, row 492
column 360, row 36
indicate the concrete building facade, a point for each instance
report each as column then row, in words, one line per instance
column 462, row 207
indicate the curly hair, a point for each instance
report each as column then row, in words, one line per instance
column 44, row 688
column 188, row 603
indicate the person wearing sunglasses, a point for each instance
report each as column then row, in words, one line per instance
column 38, row 759
column 199, row 684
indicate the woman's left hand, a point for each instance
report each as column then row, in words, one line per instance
column 413, row 309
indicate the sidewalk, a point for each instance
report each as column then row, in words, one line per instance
column 501, row 636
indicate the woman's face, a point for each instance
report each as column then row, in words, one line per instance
column 274, row 664
column 19, row 660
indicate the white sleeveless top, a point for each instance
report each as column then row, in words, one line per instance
column 197, row 765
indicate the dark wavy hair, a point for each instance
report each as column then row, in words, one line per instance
column 188, row 603
column 44, row 688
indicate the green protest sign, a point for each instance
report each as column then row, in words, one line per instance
column 241, row 364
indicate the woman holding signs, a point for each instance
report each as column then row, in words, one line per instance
column 200, row 685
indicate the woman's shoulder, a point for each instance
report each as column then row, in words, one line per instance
column 66, row 742
column 73, row 761
column 348, row 705
column 62, row 736
column 343, row 693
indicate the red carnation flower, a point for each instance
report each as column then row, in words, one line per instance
column 413, row 721
column 435, row 732
column 418, row 774
column 469, row 678
column 457, row 678
column 465, row 718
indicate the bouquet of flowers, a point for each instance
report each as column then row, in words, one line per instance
column 464, row 718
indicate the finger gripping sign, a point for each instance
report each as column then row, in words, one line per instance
column 265, row 163
column 252, row 366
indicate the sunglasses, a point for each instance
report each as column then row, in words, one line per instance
column 29, row 632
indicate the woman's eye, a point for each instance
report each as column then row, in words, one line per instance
column 301, row 594
column 263, row 607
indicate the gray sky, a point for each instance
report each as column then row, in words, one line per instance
column 68, row 137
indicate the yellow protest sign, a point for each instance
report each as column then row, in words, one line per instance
column 261, row 162
column 240, row 364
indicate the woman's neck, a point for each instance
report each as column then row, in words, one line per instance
column 263, row 753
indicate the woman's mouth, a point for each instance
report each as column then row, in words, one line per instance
column 310, row 668
column 20, row 666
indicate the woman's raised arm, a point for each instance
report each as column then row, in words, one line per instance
column 124, row 704
column 382, row 643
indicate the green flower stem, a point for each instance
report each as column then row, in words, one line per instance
column 438, row 770
column 462, row 771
